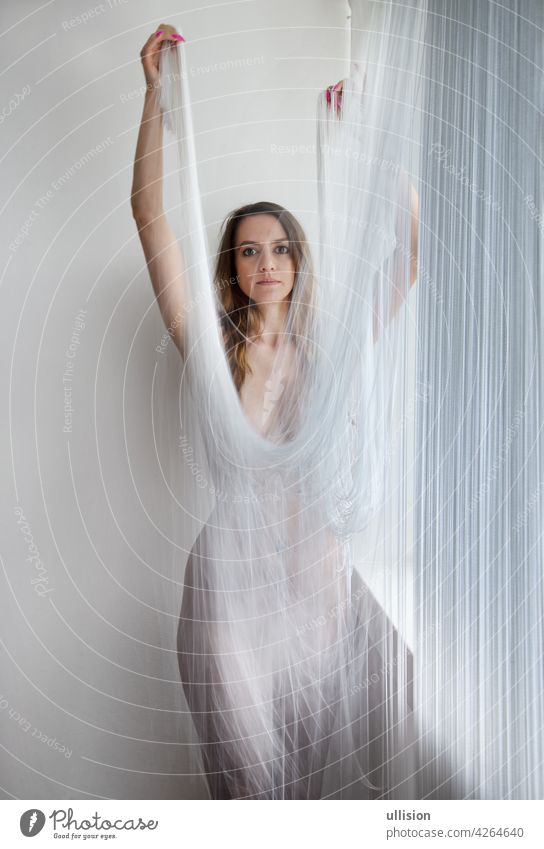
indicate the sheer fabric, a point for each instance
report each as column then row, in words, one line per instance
column 299, row 682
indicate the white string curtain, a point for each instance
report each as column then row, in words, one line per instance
column 297, row 680
column 479, row 548
column 310, row 669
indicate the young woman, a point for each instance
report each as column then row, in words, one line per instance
column 263, row 248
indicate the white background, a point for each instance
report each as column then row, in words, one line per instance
column 83, row 509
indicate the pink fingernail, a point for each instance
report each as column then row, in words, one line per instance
column 160, row 32
column 178, row 37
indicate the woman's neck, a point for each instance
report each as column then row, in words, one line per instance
column 273, row 319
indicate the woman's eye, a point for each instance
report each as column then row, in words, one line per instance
column 282, row 249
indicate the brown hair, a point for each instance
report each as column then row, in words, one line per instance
column 240, row 317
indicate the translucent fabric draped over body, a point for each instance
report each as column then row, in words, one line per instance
column 299, row 599
column 279, row 639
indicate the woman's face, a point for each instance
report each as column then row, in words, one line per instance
column 263, row 259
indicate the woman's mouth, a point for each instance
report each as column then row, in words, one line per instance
column 268, row 282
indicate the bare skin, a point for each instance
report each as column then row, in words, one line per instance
column 263, row 254
column 334, row 99
column 262, row 260
column 161, row 248
column 267, row 258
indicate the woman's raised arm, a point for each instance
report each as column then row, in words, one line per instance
column 159, row 243
column 407, row 253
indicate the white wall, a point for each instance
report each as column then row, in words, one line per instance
column 83, row 496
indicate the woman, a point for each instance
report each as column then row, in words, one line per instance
column 265, row 725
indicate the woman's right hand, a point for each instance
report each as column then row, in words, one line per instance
column 150, row 52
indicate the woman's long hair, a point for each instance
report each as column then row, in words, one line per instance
column 240, row 317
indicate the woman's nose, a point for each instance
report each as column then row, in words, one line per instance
column 267, row 260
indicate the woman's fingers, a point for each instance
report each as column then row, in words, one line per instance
column 150, row 52
column 334, row 94
column 164, row 32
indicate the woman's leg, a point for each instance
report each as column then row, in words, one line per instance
column 230, row 726
column 383, row 666
column 194, row 667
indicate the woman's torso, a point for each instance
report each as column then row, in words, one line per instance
column 272, row 370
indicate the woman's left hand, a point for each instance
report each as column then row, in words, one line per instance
column 334, row 95
column 358, row 81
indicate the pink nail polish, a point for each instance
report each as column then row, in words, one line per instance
column 177, row 37
column 160, row 32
